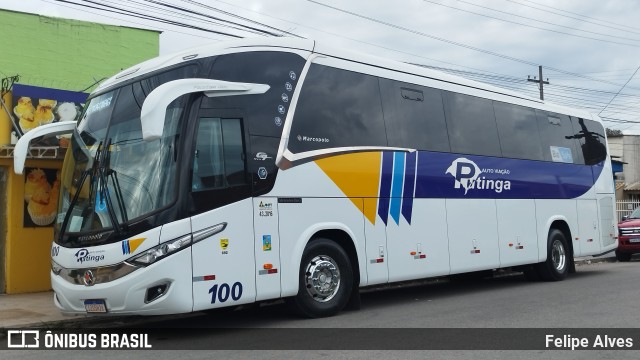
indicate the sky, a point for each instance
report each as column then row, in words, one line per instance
column 589, row 49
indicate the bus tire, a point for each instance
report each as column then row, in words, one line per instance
column 325, row 279
column 556, row 267
column 623, row 257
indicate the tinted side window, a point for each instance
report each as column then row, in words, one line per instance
column 471, row 125
column 265, row 114
column 337, row 108
column 414, row 116
column 591, row 138
column 147, row 85
column 219, row 157
column 557, row 136
column 518, row 131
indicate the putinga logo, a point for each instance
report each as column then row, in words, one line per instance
column 83, row 255
column 467, row 175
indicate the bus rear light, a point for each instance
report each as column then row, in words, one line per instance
column 267, row 266
column 161, row 251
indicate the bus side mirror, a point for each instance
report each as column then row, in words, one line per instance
column 22, row 146
column 625, row 217
column 154, row 108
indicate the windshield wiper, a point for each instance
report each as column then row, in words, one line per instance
column 113, row 175
column 104, row 189
column 83, row 178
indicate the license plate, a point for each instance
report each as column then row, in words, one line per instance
column 95, row 306
column 634, row 240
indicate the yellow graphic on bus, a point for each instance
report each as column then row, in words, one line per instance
column 358, row 176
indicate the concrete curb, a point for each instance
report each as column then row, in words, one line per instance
column 589, row 261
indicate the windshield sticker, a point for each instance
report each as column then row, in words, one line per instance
column 266, row 242
column 281, row 109
column 561, row 154
column 292, row 75
column 278, row 121
column 288, row 86
column 76, row 224
column 285, row 97
column 98, row 105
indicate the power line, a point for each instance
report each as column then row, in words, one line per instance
column 541, row 21
column 165, row 12
column 457, row 43
column 562, row 97
column 532, row 26
column 208, row 16
column 571, row 17
column 110, row 9
column 625, row 84
column 127, row 21
column 355, row 40
column 240, row 17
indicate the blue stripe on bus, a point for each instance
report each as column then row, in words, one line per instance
column 396, row 186
column 409, row 186
column 385, row 186
column 445, row 175
column 125, row 247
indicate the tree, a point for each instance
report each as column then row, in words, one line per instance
column 613, row 133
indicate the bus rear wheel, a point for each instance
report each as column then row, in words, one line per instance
column 325, row 280
column 556, row 267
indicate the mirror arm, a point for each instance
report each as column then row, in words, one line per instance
column 154, row 108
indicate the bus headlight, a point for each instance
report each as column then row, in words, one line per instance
column 161, row 251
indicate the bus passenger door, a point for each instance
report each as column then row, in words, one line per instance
column 220, row 199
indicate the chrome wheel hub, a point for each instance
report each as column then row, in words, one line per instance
column 558, row 255
column 322, row 278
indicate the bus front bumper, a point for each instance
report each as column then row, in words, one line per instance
column 162, row 288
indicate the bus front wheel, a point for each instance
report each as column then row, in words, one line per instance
column 556, row 267
column 325, row 280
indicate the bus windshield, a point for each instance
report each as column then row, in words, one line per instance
column 111, row 175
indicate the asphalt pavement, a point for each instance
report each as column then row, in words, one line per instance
column 38, row 310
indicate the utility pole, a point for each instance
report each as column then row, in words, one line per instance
column 541, row 82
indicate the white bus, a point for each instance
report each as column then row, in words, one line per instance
column 281, row 168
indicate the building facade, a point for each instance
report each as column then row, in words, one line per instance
column 48, row 66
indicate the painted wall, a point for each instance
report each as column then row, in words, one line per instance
column 69, row 54
column 28, row 249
